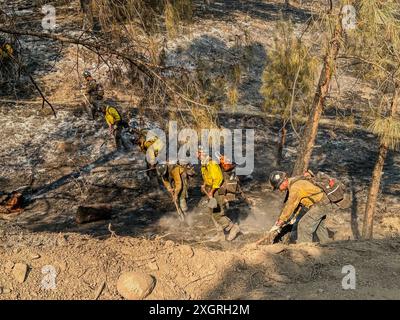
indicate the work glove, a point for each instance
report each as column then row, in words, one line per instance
column 277, row 227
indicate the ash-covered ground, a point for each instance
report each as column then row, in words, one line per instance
column 61, row 163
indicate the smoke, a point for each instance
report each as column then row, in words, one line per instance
column 263, row 214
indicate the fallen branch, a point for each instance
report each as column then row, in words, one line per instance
column 44, row 100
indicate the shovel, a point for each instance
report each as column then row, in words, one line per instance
column 268, row 238
column 181, row 214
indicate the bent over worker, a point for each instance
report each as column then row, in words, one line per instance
column 212, row 182
column 175, row 178
column 305, row 208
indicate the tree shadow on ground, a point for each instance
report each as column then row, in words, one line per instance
column 268, row 11
column 220, row 67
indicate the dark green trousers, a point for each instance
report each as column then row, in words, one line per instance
column 218, row 214
column 313, row 223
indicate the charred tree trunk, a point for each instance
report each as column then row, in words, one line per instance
column 281, row 145
column 373, row 192
column 376, row 178
column 311, row 128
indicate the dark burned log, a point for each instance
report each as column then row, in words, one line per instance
column 85, row 214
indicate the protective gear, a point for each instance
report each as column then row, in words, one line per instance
column 94, row 90
column 312, row 223
column 161, row 169
column 151, row 145
column 212, row 174
column 175, row 180
column 226, row 164
column 302, row 193
column 234, row 230
column 306, row 209
column 112, row 116
column 276, row 228
column 86, row 74
column 276, row 178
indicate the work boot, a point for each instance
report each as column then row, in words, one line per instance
column 233, row 232
column 183, row 205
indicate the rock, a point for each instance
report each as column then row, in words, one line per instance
column 320, row 290
column 135, row 285
column 5, row 290
column 20, row 271
column 187, row 251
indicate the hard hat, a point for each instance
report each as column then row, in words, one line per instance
column 161, row 169
column 86, row 73
column 276, row 178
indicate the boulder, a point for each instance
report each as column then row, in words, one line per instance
column 135, row 285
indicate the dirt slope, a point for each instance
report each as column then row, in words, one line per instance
column 62, row 163
column 83, row 263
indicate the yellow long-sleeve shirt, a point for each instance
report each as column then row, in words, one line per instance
column 175, row 174
column 212, row 174
column 300, row 192
column 112, row 116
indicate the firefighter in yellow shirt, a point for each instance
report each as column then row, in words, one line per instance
column 305, row 207
column 115, row 125
column 212, row 182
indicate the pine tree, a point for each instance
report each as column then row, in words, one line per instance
column 333, row 45
column 288, row 79
column 377, row 44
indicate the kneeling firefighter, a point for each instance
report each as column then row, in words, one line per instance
column 212, row 181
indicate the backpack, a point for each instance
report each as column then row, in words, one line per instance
column 333, row 188
column 100, row 90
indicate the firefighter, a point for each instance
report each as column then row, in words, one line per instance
column 231, row 184
column 6, row 61
column 115, row 125
column 6, row 51
column 212, row 182
column 151, row 145
column 305, row 208
column 175, row 178
column 95, row 94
